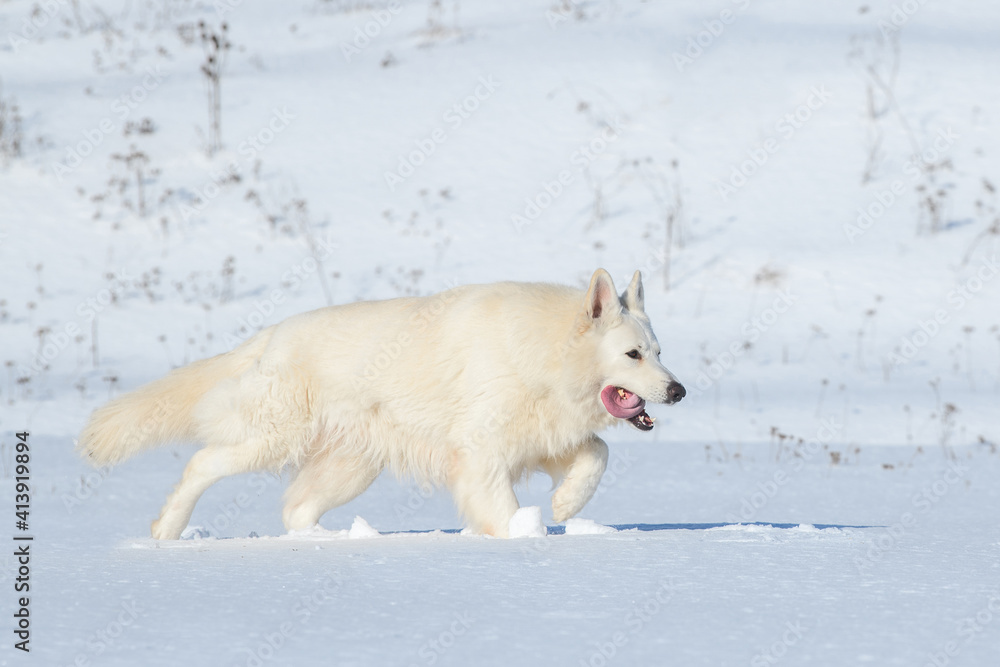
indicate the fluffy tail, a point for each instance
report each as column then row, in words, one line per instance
column 161, row 411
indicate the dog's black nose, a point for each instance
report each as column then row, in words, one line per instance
column 676, row 391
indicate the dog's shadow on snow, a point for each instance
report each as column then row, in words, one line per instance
column 656, row 527
column 752, row 526
column 653, row 527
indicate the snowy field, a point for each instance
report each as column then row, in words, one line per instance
column 810, row 190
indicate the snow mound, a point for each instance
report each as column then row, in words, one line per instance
column 361, row 529
column 587, row 527
column 527, row 522
column 806, row 528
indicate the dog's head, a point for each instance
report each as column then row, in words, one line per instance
column 628, row 354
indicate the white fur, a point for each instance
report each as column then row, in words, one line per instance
column 471, row 388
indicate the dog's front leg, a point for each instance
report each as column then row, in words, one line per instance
column 581, row 472
column 483, row 493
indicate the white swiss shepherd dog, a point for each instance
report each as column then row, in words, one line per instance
column 472, row 389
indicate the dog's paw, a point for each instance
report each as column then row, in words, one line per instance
column 161, row 530
column 565, row 507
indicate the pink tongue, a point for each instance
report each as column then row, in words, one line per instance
column 623, row 408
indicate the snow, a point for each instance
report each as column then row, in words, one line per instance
column 888, row 563
column 196, row 533
column 578, row 526
column 527, row 522
column 824, row 494
column 361, row 530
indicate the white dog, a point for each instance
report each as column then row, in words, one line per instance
column 471, row 388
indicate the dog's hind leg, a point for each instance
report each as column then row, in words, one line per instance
column 205, row 468
column 326, row 480
column 581, row 471
column 257, row 421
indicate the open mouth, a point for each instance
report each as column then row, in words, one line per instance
column 623, row 404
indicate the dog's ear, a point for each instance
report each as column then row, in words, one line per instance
column 632, row 296
column 602, row 299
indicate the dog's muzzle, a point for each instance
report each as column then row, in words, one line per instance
column 675, row 392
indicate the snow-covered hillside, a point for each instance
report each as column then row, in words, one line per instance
column 808, row 188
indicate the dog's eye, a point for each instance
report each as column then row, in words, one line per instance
column 633, row 354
